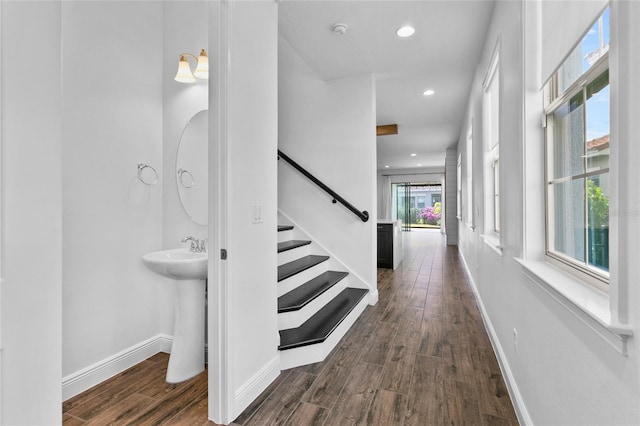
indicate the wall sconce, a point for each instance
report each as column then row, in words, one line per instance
column 184, row 70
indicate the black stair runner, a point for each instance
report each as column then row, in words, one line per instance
column 284, row 228
column 317, row 328
column 299, row 297
column 289, row 269
column 290, row 245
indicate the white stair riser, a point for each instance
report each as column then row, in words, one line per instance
column 293, row 254
column 295, row 319
column 290, row 283
column 285, row 236
column 309, row 354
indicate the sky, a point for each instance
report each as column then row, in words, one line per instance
column 598, row 112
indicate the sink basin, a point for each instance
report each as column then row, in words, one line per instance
column 179, row 264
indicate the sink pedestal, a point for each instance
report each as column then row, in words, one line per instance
column 187, row 350
column 189, row 271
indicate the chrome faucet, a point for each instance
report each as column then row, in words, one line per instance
column 197, row 246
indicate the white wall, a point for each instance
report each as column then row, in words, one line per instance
column 31, row 310
column 328, row 127
column 112, row 120
column 563, row 371
column 243, row 174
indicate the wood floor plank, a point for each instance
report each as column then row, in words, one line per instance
column 123, row 412
column 433, row 305
column 380, row 343
column 158, row 387
column 193, row 414
column 164, row 409
column 489, row 420
column 255, row 404
column 418, row 297
column 425, row 405
column 430, row 337
column 69, row 420
column 461, row 404
column 398, row 368
column 352, row 406
column 283, row 401
column 494, row 397
column 422, row 281
column 328, row 385
column 109, row 386
column 456, row 362
column 308, row 415
column 435, row 288
column 397, row 306
column 116, row 392
column 161, row 357
column 387, row 408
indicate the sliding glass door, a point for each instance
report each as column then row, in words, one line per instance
column 418, row 205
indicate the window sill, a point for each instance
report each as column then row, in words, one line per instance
column 493, row 242
column 590, row 305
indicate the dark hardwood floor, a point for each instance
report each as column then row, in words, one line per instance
column 421, row 356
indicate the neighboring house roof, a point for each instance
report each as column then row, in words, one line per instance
column 598, row 144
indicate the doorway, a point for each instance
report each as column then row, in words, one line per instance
column 418, row 205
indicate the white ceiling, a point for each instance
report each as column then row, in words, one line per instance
column 442, row 55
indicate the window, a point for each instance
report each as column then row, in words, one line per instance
column 577, row 158
column 469, row 171
column 459, row 188
column 491, row 115
column 495, row 156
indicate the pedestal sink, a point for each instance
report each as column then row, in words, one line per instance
column 189, row 270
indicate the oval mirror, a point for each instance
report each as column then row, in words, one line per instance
column 192, row 161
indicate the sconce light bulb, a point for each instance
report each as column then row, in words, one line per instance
column 184, row 71
column 202, row 70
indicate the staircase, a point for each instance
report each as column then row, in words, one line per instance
column 316, row 304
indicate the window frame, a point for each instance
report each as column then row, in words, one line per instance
column 554, row 101
column 459, row 188
column 491, row 118
column 470, row 219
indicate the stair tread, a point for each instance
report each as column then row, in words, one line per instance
column 290, row 245
column 300, row 296
column 290, row 269
column 317, row 328
column 284, row 228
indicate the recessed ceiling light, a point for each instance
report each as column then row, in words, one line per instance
column 406, row 31
column 339, row 29
column 428, row 92
column 419, row 165
column 386, row 167
column 413, row 154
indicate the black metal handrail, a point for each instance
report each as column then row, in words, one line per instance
column 363, row 215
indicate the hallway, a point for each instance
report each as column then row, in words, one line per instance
column 421, row 356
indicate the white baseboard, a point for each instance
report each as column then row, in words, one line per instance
column 249, row 391
column 80, row 381
column 373, row 297
column 516, row 397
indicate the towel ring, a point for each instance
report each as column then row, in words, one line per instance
column 188, row 184
column 141, row 167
